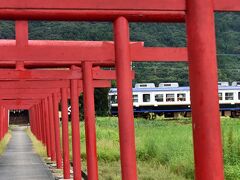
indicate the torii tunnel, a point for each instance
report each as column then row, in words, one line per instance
column 40, row 91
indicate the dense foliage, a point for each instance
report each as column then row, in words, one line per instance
column 153, row 34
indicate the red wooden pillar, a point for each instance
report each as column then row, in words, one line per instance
column 75, row 130
column 204, row 90
column 57, row 131
column 30, row 118
column 51, row 119
column 6, row 119
column 90, row 126
column 21, row 28
column 125, row 103
column 1, row 123
column 34, row 121
column 65, row 141
column 38, row 126
column 47, row 128
column 42, row 124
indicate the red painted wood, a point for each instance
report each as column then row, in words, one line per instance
column 45, row 123
column 76, row 156
column 53, row 74
column 42, row 124
column 51, row 121
column 39, row 74
column 89, row 117
column 57, row 131
column 101, row 84
column 38, row 120
column 65, row 138
column 48, row 128
column 157, row 54
column 100, row 74
column 227, row 5
column 6, row 120
column 21, row 31
column 95, row 4
column 28, row 91
column 64, row 51
column 19, row 107
column 204, row 90
column 47, row 84
column 92, row 15
column 1, row 123
column 34, row 84
column 23, row 96
column 95, row 9
column 19, row 102
column 125, row 104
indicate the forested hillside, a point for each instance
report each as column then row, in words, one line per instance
column 153, row 34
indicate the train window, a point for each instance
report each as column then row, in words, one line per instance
column 170, row 97
column 220, row 96
column 238, row 95
column 228, row 96
column 146, row 97
column 114, row 99
column 135, row 98
column 167, row 85
column 181, row 97
column 159, row 97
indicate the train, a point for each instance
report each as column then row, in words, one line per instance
column 172, row 100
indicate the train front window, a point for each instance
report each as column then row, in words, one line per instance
column 220, row 96
column 170, row 98
column 113, row 99
column 228, row 96
column 135, row 98
column 146, row 97
column 159, row 97
column 181, row 97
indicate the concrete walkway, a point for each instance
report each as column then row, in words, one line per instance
column 20, row 162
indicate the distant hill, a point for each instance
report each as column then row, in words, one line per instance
column 153, row 34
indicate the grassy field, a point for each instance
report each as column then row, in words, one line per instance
column 4, row 142
column 154, row 149
column 164, row 148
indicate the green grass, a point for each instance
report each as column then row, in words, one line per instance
column 39, row 148
column 164, row 148
column 4, row 142
column 160, row 149
column 231, row 139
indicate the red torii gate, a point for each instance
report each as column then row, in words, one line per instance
column 58, row 54
column 35, row 93
column 201, row 55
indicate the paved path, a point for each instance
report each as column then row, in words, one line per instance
column 20, row 162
